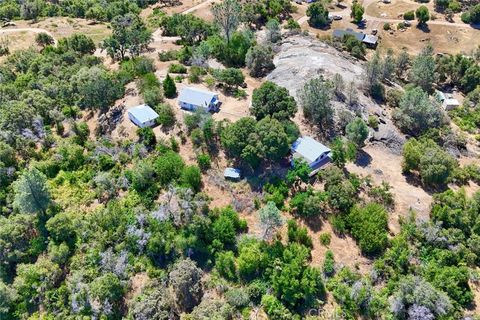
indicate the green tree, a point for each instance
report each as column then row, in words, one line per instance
column 271, row 99
column 169, row 167
column 369, row 226
column 77, row 42
column 433, row 164
column 417, row 113
column 273, row 141
column 34, row 281
column 474, row 14
column 329, row 264
column 107, row 289
column 235, row 137
column 357, row 132
column 295, row 283
column 423, row 68
column 31, row 192
column 147, row 136
column 299, row 173
column 270, row 218
column 185, row 281
column 357, row 12
column 7, row 299
column 259, row 60
column 96, row 88
column 274, row 33
column 275, row 309
column 191, row 177
column 129, row 35
column 227, row 16
column 169, row 87
column 32, row 9
column 318, row 15
column 422, row 15
column 225, row 265
column 315, row 100
column 232, row 77
column 342, row 152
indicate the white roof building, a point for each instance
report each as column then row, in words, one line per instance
column 192, row 98
column 142, row 115
column 232, row 173
column 313, row 152
column 450, row 103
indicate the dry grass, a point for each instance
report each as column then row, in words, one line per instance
column 445, row 39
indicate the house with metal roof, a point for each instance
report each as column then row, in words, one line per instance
column 142, row 115
column 192, row 98
column 369, row 39
column 314, row 153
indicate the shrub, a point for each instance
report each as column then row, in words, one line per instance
column 177, row 68
column 169, row 167
column 146, row 136
column 409, row 15
column 434, row 165
column 204, row 161
column 225, row 265
column 166, row 115
column 191, row 177
column 329, row 264
column 373, row 122
column 466, row 17
column 237, row 297
column 195, row 73
column 368, row 226
column 168, row 55
column 386, row 26
column 325, row 238
column 298, row 234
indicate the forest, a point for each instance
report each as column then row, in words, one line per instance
column 99, row 227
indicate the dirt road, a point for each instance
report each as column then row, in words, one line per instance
column 198, row 6
column 34, row 30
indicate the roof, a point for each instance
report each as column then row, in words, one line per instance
column 196, row 97
column 232, row 173
column 143, row 113
column 451, row 102
column 309, row 148
column 339, row 33
column 370, row 39
column 440, row 95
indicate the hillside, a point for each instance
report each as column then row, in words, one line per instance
column 223, row 159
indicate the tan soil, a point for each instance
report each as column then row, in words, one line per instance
column 386, row 166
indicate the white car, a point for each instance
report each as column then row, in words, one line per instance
column 337, row 17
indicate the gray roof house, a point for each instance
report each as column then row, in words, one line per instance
column 314, row 153
column 142, row 115
column 368, row 39
column 192, row 98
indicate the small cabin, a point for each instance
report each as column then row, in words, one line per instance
column 232, row 174
column 143, row 116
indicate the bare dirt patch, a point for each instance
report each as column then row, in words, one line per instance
column 444, row 38
column 386, row 166
column 62, row 27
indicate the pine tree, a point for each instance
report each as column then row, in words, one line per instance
column 169, row 88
